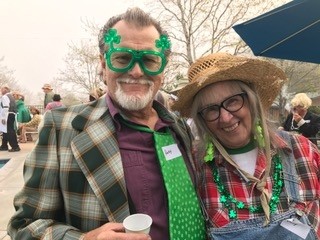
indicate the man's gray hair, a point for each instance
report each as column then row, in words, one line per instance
column 136, row 17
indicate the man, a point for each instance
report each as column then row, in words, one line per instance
column 125, row 153
column 8, row 117
column 48, row 94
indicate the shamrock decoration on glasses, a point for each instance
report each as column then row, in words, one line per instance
column 163, row 42
column 112, row 37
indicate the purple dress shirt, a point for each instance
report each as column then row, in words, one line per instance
column 142, row 172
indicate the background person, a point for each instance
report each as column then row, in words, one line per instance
column 95, row 164
column 255, row 183
column 31, row 126
column 23, row 113
column 3, row 128
column 96, row 93
column 48, row 94
column 8, row 118
column 163, row 98
column 301, row 120
column 56, row 102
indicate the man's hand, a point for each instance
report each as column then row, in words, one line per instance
column 114, row 231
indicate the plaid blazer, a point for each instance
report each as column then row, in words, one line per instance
column 74, row 180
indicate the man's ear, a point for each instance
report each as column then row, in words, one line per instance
column 103, row 69
column 102, row 61
column 162, row 80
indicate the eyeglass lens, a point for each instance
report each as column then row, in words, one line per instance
column 125, row 60
column 231, row 104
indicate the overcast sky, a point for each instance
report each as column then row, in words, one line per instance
column 34, row 34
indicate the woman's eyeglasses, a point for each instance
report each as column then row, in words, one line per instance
column 232, row 104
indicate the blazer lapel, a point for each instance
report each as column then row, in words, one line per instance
column 97, row 153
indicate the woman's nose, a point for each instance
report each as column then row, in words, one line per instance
column 225, row 115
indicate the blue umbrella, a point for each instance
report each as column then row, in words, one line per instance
column 291, row 32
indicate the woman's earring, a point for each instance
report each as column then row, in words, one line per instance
column 259, row 135
column 209, row 152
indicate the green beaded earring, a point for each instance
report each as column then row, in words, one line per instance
column 209, row 152
column 259, row 134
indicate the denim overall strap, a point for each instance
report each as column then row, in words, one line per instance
column 185, row 216
column 291, row 180
column 290, row 177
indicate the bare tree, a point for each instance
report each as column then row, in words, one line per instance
column 199, row 27
column 7, row 75
column 304, row 77
column 82, row 68
column 82, row 71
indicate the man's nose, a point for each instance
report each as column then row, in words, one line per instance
column 136, row 71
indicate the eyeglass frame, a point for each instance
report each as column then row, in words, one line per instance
column 221, row 105
column 111, row 37
column 137, row 57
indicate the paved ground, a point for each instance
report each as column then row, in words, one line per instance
column 11, row 181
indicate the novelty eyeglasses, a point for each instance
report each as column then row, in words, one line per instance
column 231, row 104
column 122, row 59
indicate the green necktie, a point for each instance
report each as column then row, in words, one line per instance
column 185, row 218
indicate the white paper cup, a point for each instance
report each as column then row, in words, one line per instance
column 137, row 223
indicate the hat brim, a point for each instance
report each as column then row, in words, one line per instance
column 266, row 78
column 47, row 86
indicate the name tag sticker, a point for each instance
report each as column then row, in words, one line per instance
column 171, row 151
column 297, row 227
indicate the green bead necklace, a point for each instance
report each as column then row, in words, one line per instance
column 229, row 201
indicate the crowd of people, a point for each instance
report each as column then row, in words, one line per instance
column 17, row 119
column 131, row 150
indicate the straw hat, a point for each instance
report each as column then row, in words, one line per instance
column 266, row 77
column 47, row 86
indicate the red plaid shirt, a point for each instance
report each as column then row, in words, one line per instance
column 307, row 165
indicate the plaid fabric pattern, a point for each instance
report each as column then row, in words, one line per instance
column 74, row 180
column 307, row 165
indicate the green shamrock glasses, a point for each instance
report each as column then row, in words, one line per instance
column 122, row 59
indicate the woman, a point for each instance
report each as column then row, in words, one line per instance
column 23, row 113
column 31, row 126
column 254, row 183
column 56, row 103
column 301, row 120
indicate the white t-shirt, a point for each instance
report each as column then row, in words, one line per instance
column 246, row 161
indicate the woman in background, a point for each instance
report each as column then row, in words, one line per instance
column 56, row 102
column 31, row 126
column 23, row 113
column 301, row 120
